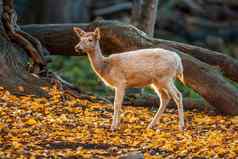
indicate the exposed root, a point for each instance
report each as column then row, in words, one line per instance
column 30, row 44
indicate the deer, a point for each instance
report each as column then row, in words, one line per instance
column 155, row 67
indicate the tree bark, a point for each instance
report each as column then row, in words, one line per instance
column 13, row 59
column 148, row 16
column 118, row 37
column 31, row 45
column 13, row 71
column 136, row 12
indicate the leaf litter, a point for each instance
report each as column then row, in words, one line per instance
column 65, row 127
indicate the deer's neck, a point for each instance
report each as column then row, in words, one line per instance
column 97, row 60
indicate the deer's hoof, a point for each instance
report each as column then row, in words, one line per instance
column 150, row 126
column 181, row 128
column 113, row 128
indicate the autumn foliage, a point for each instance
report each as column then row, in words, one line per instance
column 61, row 126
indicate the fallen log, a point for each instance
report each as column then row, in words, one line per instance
column 51, row 37
column 118, row 37
column 153, row 101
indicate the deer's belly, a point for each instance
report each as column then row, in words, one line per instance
column 139, row 80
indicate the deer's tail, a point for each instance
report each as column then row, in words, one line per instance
column 180, row 71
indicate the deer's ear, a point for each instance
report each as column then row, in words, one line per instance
column 97, row 33
column 79, row 32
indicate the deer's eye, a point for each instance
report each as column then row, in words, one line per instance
column 90, row 40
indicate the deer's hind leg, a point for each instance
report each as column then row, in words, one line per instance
column 164, row 100
column 178, row 98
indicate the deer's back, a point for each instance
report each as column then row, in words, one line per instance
column 145, row 60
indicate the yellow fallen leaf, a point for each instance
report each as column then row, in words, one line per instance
column 31, row 121
column 17, row 145
column 14, row 138
column 2, row 126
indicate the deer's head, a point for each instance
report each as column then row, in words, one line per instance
column 87, row 40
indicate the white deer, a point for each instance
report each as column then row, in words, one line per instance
column 155, row 67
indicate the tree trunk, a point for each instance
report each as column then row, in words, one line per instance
column 148, row 16
column 118, row 37
column 13, row 74
column 14, row 60
column 136, row 12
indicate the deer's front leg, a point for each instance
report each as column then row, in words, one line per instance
column 119, row 94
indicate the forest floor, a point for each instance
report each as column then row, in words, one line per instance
column 64, row 127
